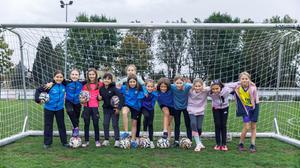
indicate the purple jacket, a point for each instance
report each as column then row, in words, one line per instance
column 220, row 101
column 197, row 101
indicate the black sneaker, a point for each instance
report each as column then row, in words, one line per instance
column 175, row 144
column 252, row 148
column 66, row 145
column 241, row 147
column 46, row 146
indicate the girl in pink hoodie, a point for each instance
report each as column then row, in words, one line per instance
column 197, row 100
column 91, row 107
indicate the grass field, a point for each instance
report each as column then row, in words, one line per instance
column 28, row 152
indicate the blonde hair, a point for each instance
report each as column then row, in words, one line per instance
column 197, row 80
column 246, row 74
column 130, row 65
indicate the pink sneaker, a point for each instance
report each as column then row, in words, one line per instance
column 217, row 147
column 224, row 148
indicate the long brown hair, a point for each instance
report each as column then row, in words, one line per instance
column 138, row 87
column 165, row 81
column 89, row 81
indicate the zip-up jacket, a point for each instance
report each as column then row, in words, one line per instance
column 148, row 102
column 93, row 102
column 220, row 101
column 56, row 97
column 133, row 97
column 73, row 89
column 108, row 93
column 165, row 99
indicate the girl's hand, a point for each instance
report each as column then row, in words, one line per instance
column 42, row 102
column 99, row 97
column 48, row 85
column 116, row 111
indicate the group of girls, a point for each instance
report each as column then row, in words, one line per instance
column 139, row 98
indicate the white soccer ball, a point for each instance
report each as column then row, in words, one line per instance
column 163, row 143
column 84, row 96
column 185, row 143
column 44, row 96
column 75, row 142
column 144, row 142
column 125, row 143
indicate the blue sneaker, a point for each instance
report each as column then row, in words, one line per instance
column 75, row 132
column 124, row 135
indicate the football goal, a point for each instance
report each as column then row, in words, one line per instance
column 30, row 53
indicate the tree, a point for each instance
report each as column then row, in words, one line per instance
column 172, row 44
column 134, row 51
column 45, row 62
column 5, row 56
column 92, row 47
column 212, row 53
column 260, row 49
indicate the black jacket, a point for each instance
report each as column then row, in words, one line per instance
column 108, row 93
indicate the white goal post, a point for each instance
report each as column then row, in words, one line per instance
column 30, row 53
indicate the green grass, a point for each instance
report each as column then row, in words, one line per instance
column 12, row 117
column 28, row 152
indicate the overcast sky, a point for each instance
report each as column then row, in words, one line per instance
column 45, row 11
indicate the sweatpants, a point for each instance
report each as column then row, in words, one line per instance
column 91, row 112
column 220, row 120
column 73, row 111
column 48, row 126
column 110, row 114
column 177, row 118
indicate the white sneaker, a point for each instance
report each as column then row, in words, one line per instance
column 86, row 144
column 152, row 146
column 98, row 144
column 137, row 140
column 105, row 143
column 198, row 148
column 201, row 145
column 117, row 144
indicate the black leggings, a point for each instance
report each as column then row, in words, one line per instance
column 186, row 121
column 73, row 111
column 220, row 120
column 148, row 122
column 91, row 112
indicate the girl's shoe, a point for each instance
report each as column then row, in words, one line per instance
column 217, row 147
column 105, row 143
column 152, row 146
column 117, row 144
column 98, row 144
column 198, row 148
column 86, row 144
column 201, row 145
column 224, row 148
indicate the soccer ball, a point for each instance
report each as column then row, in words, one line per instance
column 163, row 143
column 44, row 96
column 84, row 96
column 185, row 143
column 114, row 101
column 134, row 144
column 125, row 143
column 144, row 142
column 75, row 142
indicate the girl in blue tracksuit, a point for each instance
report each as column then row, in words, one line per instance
column 54, row 107
column 180, row 91
column 133, row 95
column 166, row 103
column 72, row 102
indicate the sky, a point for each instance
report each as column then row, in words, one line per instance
column 146, row 11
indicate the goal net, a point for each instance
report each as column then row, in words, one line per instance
column 30, row 54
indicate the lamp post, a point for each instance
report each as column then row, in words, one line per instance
column 62, row 5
